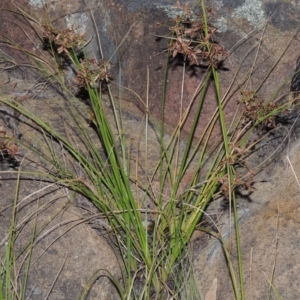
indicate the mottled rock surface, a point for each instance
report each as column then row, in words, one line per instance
column 269, row 229
column 269, row 223
column 270, row 22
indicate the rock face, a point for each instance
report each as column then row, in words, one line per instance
column 269, row 231
column 255, row 25
column 67, row 253
column 263, row 30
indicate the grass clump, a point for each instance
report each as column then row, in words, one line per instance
column 14, row 277
column 151, row 229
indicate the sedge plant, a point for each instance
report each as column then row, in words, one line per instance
column 13, row 284
column 151, row 230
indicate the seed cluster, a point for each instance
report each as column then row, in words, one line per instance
column 193, row 38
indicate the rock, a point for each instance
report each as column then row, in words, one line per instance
column 67, row 252
column 255, row 26
column 268, row 224
column 269, row 233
